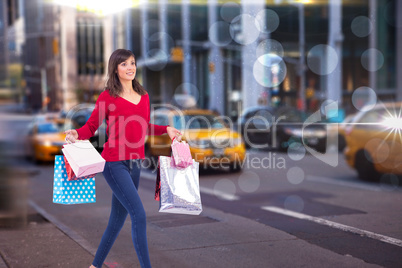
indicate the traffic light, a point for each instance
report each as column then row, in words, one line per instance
column 55, row 45
column 176, row 54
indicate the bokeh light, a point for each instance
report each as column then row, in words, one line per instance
column 268, row 20
column 295, row 175
column 219, row 33
column 296, row 151
column 244, row 29
column 269, row 70
column 229, row 11
column 188, row 93
column 162, row 37
column 322, row 59
column 364, row 98
column 157, row 59
column 370, row 54
column 249, row 182
column 270, row 46
column 380, row 148
column 225, row 186
column 361, row 26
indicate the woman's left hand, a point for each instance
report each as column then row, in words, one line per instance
column 174, row 133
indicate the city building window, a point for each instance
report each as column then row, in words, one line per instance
column 12, row 11
column 136, row 32
column 90, row 58
column 153, row 25
column 174, row 21
column 199, row 22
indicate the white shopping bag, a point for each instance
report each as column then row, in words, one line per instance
column 180, row 189
column 83, row 158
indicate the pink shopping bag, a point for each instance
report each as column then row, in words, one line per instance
column 83, row 158
column 181, row 154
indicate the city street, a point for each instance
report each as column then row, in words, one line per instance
column 280, row 211
column 292, row 109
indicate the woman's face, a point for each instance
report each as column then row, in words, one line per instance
column 126, row 70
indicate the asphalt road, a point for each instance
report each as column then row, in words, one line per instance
column 282, row 210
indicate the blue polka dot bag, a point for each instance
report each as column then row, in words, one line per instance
column 71, row 192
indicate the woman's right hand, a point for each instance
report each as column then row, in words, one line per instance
column 71, row 135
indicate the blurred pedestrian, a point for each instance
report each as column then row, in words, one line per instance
column 125, row 105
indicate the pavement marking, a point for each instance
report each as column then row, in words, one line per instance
column 344, row 183
column 346, row 228
column 68, row 231
column 220, row 194
column 204, row 190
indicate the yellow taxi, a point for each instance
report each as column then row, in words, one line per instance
column 212, row 142
column 44, row 141
column 341, row 131
column 374, row 141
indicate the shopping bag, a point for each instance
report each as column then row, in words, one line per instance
column 83, row 158
column 158, row 184
column 71, row 175
column 181, row 154
column 71, row 192
column 179, row 190
column 158, row 180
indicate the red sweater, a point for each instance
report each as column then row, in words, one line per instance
column 127, row 126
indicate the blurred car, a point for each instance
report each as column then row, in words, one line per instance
column 44, row 141
column 255, row 124
column 212, row 143
column 341, row 131
column 265, row 127
column 374, row 141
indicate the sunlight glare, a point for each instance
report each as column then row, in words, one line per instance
column 393, row 122
column 101, row 7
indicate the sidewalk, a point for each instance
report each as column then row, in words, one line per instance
column 40, row 244
column 213, row 239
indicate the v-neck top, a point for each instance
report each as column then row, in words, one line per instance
column 131, row 101
column 127, row 126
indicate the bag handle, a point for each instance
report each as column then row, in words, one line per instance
column 70, row 142
column 175, row 138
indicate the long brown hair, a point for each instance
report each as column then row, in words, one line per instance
column 113, row 84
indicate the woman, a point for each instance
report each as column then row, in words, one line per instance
column 125, row 106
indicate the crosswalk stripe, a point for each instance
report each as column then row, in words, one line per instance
column 346, row 228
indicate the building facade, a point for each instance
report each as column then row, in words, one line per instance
column 11, row 43
column 234, row 55
column 64, row 55
column 228, row 55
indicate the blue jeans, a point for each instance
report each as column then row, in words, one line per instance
column 123, row 178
